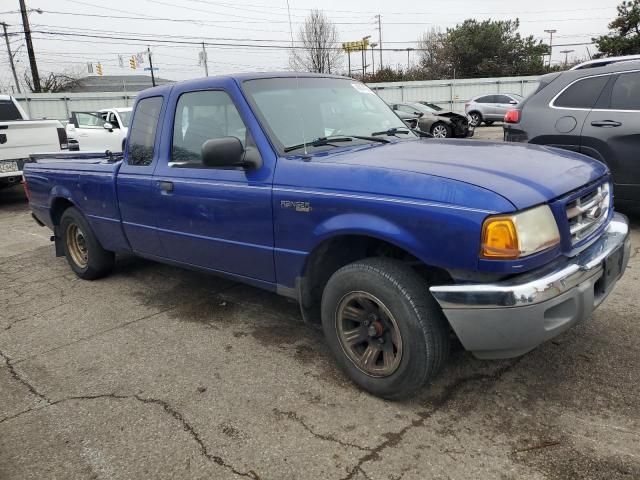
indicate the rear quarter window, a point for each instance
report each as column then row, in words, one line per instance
column 626, row 92
column 143, row 131
column 582, row 94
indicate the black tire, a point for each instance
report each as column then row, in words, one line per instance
column 423, row 329
column 476, row 118
column 488, row 123
column 76, row 233
column 441, row 130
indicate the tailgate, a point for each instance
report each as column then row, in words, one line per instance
column 21, row 138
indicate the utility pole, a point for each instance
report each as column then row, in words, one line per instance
column 32, row 55
column 349, row 60
column 380, row 38
column 550, row 32
column 408, row 52
column 153, row 77
column 204, row 61
column 13, row 67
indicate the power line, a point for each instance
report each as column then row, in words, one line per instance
column 194, row 42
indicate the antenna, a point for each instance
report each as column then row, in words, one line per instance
column 304, row 141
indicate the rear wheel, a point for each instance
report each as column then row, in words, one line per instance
column 440, row 130
column 383, row 327
column 85, row 255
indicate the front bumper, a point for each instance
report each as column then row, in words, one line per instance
column 509, row 318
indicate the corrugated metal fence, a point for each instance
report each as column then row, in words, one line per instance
column 59, row 106
column 448, row 93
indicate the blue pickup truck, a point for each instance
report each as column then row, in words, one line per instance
column 311, row 187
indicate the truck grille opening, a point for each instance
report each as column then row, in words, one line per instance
column 588, row 212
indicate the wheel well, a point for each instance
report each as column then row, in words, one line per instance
column 336, row 252
column 58, row 207
column 475, row 111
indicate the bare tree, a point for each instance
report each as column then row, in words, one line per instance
column 434, row 60
column 55, row 82
column 319, row 50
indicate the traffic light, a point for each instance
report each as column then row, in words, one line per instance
column 99, row 69
column 132, row 63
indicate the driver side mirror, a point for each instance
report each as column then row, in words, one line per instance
column 228, row 152
column 108, row 126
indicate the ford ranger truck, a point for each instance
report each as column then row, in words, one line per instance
column 311, row 187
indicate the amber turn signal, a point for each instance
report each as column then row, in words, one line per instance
column 499, row 238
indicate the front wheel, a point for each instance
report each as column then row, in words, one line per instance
column 85, row 255
column 383, row 327
column 440, row 130
column 475, row 119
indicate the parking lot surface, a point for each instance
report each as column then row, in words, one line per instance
column 158, row 372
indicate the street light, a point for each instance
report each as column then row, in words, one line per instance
column 550, row 32
column 373, row 61
column 566, row 56
column 365, row 42
column 409, row 50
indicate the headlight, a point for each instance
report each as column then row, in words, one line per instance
column 520, row 234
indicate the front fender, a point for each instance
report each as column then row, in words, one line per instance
column 367, row 225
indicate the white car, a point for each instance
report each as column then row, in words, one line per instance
column 21, row 137
column 99, row 131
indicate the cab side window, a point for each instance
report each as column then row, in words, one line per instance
column 202, row 116
column 626, row 92
column 142, row 136
column 582, row 94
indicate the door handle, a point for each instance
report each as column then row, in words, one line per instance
column 605, row 123
column 165, row 186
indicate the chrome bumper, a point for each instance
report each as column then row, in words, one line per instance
column 509, row 318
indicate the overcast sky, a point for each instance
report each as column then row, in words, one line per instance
column 265, row 22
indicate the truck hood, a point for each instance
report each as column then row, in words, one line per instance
column 524, row 174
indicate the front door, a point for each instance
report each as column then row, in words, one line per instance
column 613, row 129
column 90, row 132
column 135, row 177
column 219, row 219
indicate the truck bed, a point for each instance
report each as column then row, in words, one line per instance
column 87, row 180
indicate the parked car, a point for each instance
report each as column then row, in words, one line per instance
column 99, row 131
column 390, row 241
column 490, row 108
column 440, row 124
column 591, row 109
column 20, row 137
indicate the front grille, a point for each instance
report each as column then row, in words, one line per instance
column 588, row 212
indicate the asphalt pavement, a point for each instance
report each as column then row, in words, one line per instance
column 157, row 372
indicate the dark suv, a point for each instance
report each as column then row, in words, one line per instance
column 594, row 109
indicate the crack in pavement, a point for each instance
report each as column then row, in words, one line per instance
column 394, row 438
column 204, row 451
column 328, row 437
column 16, row 376
column 187, row 427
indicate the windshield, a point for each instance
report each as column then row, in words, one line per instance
column 422, row 108
column 432, row 105
column 302, row 110
column 125, row 117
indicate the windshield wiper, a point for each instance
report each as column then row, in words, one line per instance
column 322, row 141
column 392, row 132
